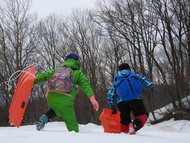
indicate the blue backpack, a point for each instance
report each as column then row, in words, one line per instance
column 128, row 86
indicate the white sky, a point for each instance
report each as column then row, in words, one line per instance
column 60, row 7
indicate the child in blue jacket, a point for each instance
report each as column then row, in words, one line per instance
column 131, row 102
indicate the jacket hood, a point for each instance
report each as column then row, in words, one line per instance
column 123, row 72
column 74, row 64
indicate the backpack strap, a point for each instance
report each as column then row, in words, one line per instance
column 59, row 93
column 129, row 83
column 68, row 95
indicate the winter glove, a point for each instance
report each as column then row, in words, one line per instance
column 94, row 102
column 154, row 90
column 114, row 110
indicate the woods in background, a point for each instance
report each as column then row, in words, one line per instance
column 152, row 36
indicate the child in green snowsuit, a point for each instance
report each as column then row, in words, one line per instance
column 62, row 104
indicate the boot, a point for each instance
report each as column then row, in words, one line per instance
column 125, row 128
column 131, row 129
column 140, row 120
column 41, row 122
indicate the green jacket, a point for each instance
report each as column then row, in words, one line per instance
column 78, row 79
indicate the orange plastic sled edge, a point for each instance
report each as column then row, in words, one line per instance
column 21, row 95
column 110, row 122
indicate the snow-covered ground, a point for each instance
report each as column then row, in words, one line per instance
column 159, row 113
column 55, row 132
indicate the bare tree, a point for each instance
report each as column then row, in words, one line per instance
column 17, row 41
column 174, row 43
column 154, row 36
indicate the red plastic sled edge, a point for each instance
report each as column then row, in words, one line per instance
column 21, row 95
column 110, row 122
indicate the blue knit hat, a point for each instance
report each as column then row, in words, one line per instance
column 72, row 56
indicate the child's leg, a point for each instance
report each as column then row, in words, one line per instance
column 70, row 119
column 125, row 116
column 140, row 114
column 50, row 114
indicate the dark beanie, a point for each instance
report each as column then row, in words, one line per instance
column 73, row 56
column 124, row 66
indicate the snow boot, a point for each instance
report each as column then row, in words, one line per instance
column 131, row 129
column 125, row 128
column 41, row 122
column 140, row 121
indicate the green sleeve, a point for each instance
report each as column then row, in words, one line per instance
column 85, row 85
column 44, row 76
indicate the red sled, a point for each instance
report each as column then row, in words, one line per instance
column 21, row 95
column 110, row 122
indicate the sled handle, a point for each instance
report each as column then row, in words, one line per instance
column 23, row 104
column 21, row 71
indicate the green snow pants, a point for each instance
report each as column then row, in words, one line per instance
column 63, row 106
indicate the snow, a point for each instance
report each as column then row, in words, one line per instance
column 159, row 113
column 56, row 132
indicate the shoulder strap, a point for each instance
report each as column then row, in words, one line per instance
column 122, row 76
column 129, row 82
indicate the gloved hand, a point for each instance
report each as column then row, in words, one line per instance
column 154, row 90
column 94, row 102
column 114, row 110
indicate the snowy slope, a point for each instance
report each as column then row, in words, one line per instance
column 55, row 132
column 168, row 109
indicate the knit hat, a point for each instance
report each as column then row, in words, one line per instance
column 72, row 56
column 124, row 66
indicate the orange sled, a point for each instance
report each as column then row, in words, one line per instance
column 21, row 95
column 110, row 122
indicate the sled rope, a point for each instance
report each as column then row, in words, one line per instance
column 21, row 71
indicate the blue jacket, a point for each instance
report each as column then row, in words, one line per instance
column 113, row 98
